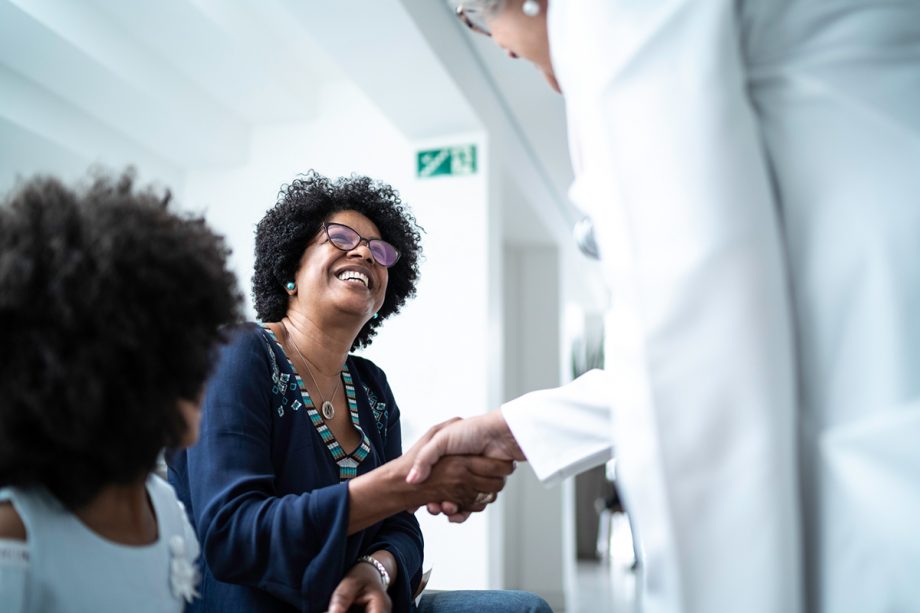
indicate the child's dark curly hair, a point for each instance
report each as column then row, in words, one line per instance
column 302, row 207
column 110, row 312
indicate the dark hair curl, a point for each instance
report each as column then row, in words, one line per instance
column 284, row 232
column 110, row 312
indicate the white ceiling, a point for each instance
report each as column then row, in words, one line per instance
column 147, row 74
column 179, row 85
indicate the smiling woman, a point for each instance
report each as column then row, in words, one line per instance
column 297, row 219
column 297, row 489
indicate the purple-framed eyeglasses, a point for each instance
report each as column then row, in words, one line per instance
column 346, row 238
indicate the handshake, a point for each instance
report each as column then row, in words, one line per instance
column 459, row 466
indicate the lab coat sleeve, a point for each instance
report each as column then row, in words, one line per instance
column 565, row 430
column 671, row 168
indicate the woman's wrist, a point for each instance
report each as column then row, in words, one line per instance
column 378, row 566
column 393, row 482
column 411, row 495
column 374, row 562
column 381, row 493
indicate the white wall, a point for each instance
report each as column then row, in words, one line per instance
column 539, row 527
column 442, row 353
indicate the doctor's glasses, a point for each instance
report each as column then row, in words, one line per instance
column 474, row 18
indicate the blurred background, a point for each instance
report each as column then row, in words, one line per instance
column 223, row 101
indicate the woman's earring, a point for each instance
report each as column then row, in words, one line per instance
column 291, row 286
column 374, row 316
column 531, row 8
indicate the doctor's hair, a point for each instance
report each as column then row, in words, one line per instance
column 111, row 308
column 286, row 229
column 486, row 6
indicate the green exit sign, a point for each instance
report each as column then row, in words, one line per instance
column 456, row 161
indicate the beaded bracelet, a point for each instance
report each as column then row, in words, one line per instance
column 384, row 575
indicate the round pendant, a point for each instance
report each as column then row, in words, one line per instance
column 327, row 410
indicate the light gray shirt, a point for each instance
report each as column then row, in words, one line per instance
column 64, row 566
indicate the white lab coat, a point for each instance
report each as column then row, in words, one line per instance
column 753, row 173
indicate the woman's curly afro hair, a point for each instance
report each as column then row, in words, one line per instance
column 302, row 207
column 111, row 309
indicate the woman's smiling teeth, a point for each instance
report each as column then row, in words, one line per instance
column 353, row 275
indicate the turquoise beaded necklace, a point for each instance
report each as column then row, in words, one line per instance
column 347, row 462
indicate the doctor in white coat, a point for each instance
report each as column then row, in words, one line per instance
column 752, row 169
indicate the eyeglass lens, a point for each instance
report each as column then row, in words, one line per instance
column 345, row 238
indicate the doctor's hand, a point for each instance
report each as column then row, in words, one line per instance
column 485, row 435
column 457, row 485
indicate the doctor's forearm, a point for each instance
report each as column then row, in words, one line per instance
column 565, row 430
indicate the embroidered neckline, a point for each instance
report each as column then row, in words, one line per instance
column 347, row 462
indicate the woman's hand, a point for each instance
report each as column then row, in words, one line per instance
column 469, row 482
column 458, row 513
column 362, row 588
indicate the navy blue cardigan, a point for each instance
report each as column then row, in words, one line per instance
column 263, row 492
